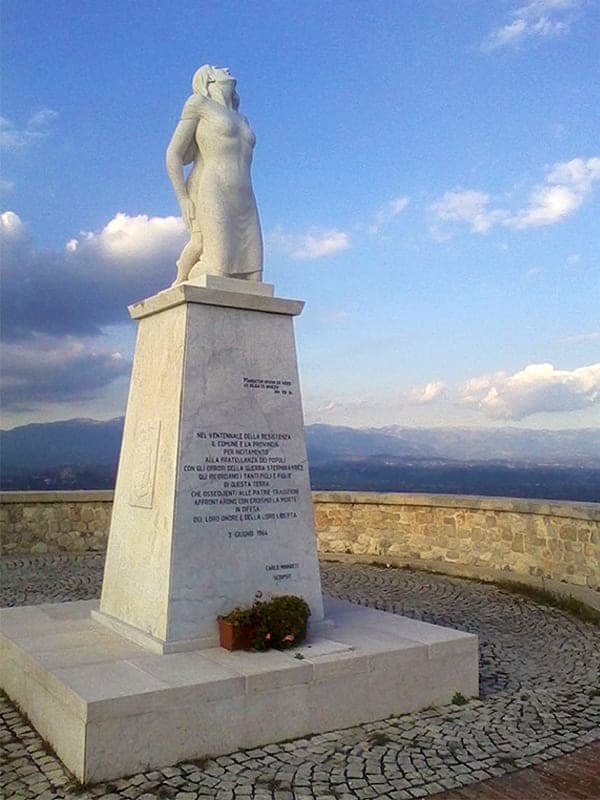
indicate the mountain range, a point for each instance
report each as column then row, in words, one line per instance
column 565, row 464
column 327, row 442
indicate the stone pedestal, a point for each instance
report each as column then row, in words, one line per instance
column 110, row 708
column 212, row 503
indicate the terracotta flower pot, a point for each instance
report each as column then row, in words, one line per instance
column 234, row 636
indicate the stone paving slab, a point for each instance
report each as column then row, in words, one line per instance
column 540, row 700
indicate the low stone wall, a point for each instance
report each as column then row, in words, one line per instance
column 53, row 522
column 555, row 540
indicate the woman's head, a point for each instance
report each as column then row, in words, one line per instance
column 208, row 74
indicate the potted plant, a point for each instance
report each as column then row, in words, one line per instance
column 236, row 629
column 279, row 623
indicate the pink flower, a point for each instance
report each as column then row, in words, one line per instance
column 288, row 638
column 268, row 637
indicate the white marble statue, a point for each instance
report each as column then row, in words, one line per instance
column 217, row 201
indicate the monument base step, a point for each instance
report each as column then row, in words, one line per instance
column 109, row 708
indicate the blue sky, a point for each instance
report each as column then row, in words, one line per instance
column 427, row 174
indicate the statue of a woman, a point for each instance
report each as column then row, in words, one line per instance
column 217, row 201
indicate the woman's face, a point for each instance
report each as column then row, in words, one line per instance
column 223, row 75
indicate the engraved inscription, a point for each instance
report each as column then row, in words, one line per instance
column 281, row 572
column 245, row 487
column 273, row 385
column 244, row 478
column 147, row 436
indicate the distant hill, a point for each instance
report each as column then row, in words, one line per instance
column 506, row 462
column 327, row 442
column 55, row 444
column 496, row 479
column 83, row 454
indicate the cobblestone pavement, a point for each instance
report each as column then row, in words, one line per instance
column 540, row 699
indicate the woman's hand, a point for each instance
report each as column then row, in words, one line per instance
column 188, row 212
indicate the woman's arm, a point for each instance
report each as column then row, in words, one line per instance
column 181, row 140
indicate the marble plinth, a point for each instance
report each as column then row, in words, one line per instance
column 212, row 501
column 109, row 708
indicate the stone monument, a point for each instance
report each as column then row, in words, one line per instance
column 212, row 502
column 212, row 506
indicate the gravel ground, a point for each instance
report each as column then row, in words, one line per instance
column 540, row 699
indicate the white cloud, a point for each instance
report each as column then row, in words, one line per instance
column 499, row 397
column 55, row 304
column 434, row 390
column 128, row 240
column 469, row 206
column 87, row 285
column 312, row 245
column 6, row 186
column 535, row 389
column 387, row 212
column 376, row 407
column 537, row 19
column 11, row 226
column 567, row 185
column 318, row 242
column 37, row 127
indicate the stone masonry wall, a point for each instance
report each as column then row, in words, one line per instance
column 51, row 522
column 530, row 537
column 556, row 540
